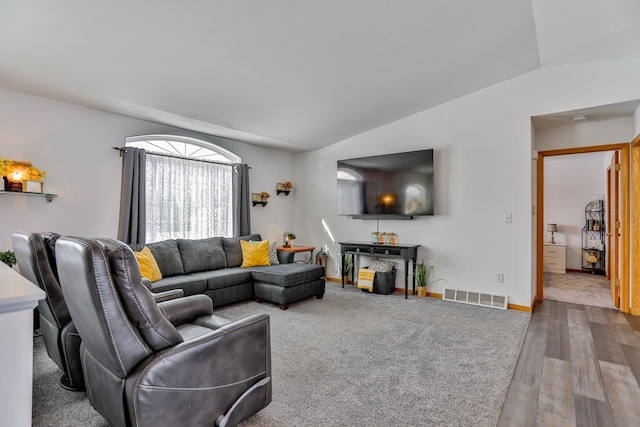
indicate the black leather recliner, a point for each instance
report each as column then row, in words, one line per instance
column 36, row 260
column 35, row 253
column 159, row 364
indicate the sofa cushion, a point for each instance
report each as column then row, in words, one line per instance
column 255, row 254
column 273, row 252
column 217, row 279
column 287, row 274
column 148, row 265
column 232, row 249
column 191, row 285
column 202, row 254
column 167, row 256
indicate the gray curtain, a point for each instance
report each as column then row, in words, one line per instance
column 241, row 201
column 131, row 228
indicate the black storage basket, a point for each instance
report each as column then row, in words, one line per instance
column 384, row 282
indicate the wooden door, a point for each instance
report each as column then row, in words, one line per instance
column 613, row 228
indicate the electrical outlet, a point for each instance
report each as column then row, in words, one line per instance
column 507, row 217
column 500, row 277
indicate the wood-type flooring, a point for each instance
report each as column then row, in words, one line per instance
column 579, row 366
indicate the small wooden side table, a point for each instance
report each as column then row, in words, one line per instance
column 291, row 252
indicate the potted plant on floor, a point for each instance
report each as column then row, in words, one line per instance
column 423, row 271
column 345, row 267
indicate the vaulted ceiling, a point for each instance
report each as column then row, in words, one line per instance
column 295, row 74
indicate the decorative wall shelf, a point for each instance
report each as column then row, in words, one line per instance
column 259, row 199
column 48, row 196
column 281, row 188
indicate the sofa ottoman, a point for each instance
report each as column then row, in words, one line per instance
column 288, row 283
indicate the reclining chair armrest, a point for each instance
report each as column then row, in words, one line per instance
column 164, row 295
column 147, row 283
column 167, row 295
column 186, row 310
column 227, row 367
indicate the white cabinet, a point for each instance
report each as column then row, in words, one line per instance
column 555, row 258
column 18, row 298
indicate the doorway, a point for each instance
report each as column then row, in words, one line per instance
column 623, row 231
column 576, row 206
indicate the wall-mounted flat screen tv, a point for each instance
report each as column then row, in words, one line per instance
column 396, row 185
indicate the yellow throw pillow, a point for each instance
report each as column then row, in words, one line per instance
column 255, row 254
column 148, row 265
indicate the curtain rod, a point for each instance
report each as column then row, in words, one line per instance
column 123, row 149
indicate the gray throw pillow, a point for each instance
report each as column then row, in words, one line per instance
column 232, row 249
column 168, row 257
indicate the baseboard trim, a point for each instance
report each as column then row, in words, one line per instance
column 519, row 308
column 337, row 280
column 439, row 296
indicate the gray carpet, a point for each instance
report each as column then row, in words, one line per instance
column 578, row 288
column 359, row 359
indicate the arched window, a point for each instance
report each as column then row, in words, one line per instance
column 182, row 146
column 188, row 187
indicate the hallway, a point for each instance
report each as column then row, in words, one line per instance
column 578, row 288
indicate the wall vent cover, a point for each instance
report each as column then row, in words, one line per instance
column 476, row 298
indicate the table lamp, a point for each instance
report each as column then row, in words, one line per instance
column 552, row 228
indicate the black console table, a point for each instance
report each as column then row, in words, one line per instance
column 381, row 250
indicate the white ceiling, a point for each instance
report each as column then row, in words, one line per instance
column 295, row 74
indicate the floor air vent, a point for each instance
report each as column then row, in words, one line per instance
column 475, row 298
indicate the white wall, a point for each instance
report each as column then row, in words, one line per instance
column 636, row 122
column 483, row 145
column 584, row 134
column 570, row 182
column 73, row 145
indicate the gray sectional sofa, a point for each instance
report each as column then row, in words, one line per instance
column 213, row 267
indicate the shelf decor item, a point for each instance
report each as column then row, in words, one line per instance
column 32, row 186
column 257, row 199
column 284, row 187
column 16, row 173
column 593, row 259
column 264, row 196
column 393, row 238
column 553, row 228
column 287, row 237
